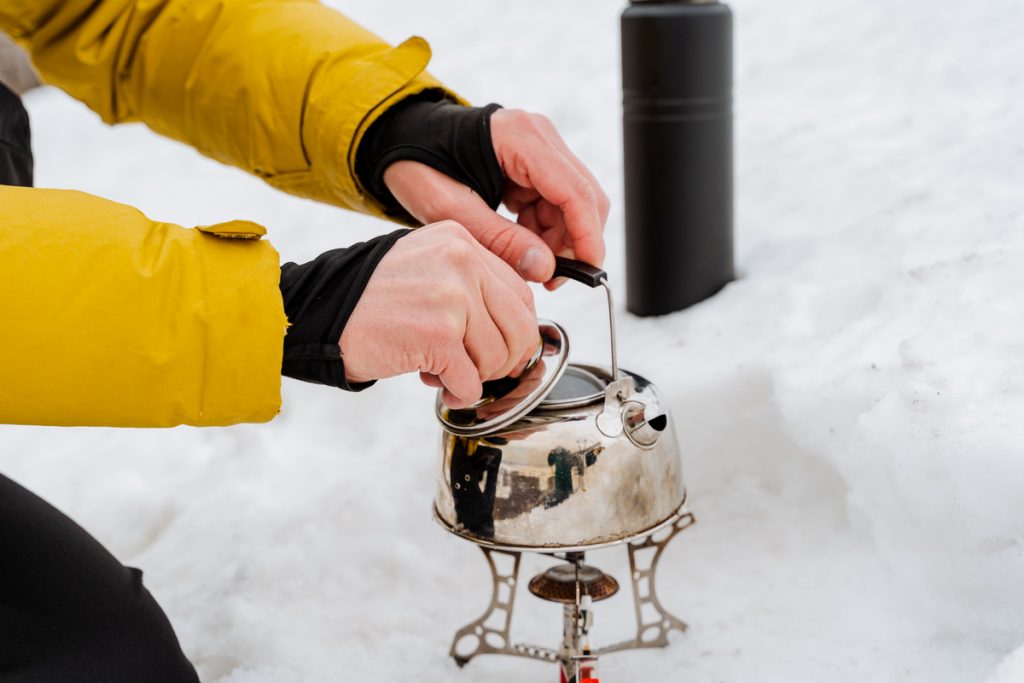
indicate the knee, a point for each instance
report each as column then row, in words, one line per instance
column 128, row 638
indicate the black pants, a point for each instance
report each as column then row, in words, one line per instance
column 69, row 611
column 15, row 141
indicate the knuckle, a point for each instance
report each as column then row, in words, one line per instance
column 459, row 252
column 526, row 292
column 453, row 228
column 433, row 363
column 519, row 166
column 455, row 327
column 446, row 333
column 541, row 122
column 519, row 117
column 528, row 336
column 448, row 295
column 587, row 192
column 492, row 367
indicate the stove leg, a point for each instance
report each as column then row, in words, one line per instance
column 651, row 630
column 487, row 639
column 643, row 568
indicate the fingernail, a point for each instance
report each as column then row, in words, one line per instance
column 556, row 283
column 453, row 401
column 531, row 265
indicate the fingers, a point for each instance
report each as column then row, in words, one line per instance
column 547, row 221
column 485, row 343
column 533, row 155
column 553, row 229
column 498, row 326
column 539, row 166
column 521, row 249
column 461, row 380
column 492, row 262
column 431, row 380
column 603, row 203
column 431, row 196
column 511, row 305
column 562, row 185
column 517, row 325
column 504, row 329
column 509, row 278
column 516, row 198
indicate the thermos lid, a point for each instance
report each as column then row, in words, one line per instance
column 506, row 400
column 677, row 2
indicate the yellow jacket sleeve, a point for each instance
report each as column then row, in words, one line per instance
column 284, row 89
column 109, row 318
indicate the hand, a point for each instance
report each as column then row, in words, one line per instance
column 560, row 205
column 441, row 304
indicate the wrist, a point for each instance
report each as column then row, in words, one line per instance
column 352, row 358
column 319, row 299
column 451, row 138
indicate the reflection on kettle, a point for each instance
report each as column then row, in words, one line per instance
column 565, row 462
column 474, row 477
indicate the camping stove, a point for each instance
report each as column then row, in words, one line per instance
column 577, row 586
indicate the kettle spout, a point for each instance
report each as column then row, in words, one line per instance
column 658, row 422
column 644, row 424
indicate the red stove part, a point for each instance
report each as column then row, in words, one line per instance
column 584, row 678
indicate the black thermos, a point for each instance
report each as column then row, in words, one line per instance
column 677, row 130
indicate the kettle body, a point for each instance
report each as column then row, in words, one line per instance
column 577, row 472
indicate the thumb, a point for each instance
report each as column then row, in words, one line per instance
column 431, row 196
column 514, row 244
column 461, row 381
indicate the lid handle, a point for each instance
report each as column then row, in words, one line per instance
column 592, row 276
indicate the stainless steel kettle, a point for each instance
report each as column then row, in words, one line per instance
column 567, row 457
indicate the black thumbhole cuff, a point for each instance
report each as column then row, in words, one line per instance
column 319, row 297
column 451, row 138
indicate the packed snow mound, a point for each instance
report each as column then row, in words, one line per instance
column 1010, row 670
column 917, row 402
column 850, row 409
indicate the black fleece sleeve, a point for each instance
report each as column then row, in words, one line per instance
column 449, row 137
column 319, row 297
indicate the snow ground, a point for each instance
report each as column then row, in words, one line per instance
column 851, row 409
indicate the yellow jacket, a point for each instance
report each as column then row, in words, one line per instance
column 109, row 318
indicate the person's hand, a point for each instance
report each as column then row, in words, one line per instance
column 441, row 304
column 560, row 205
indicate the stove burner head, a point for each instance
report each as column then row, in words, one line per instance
column 558, row 584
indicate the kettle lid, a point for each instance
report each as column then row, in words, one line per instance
column 506, row 400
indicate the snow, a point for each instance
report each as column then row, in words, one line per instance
column 850, row 409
